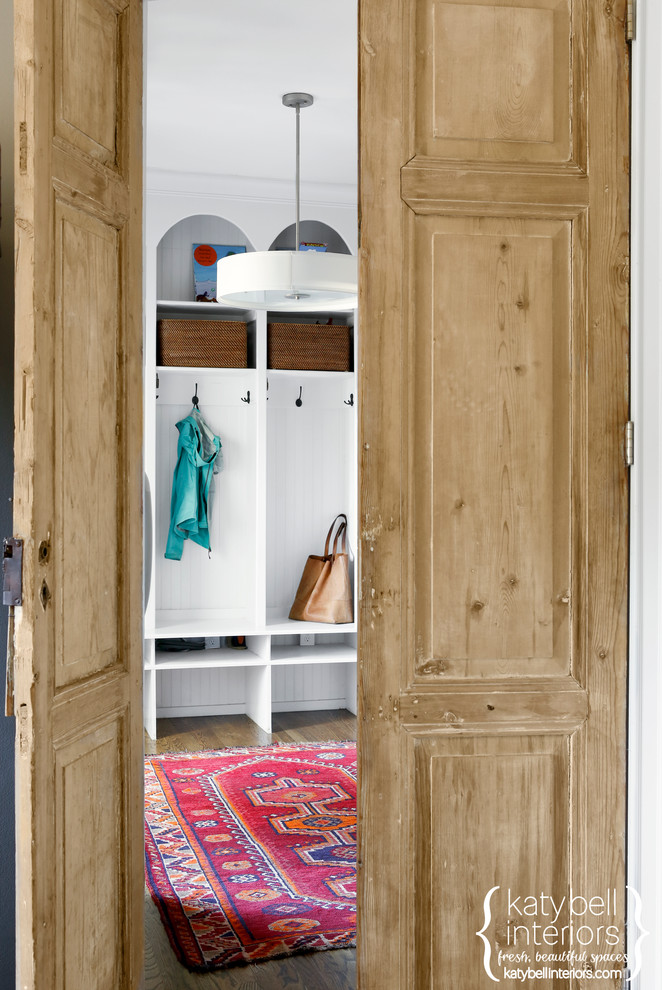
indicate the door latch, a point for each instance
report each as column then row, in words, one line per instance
column 12, row 571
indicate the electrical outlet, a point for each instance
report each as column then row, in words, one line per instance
column 307, row 639
column 212, row 642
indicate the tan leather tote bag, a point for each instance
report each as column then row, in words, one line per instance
column 324, row 593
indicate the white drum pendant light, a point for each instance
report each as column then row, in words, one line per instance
column 286, row 281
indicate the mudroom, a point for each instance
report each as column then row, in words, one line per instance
column 250, row 500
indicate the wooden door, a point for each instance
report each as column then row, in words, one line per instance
column 77, row 494
column 494, row 545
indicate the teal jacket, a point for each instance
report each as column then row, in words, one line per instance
column 199, row 456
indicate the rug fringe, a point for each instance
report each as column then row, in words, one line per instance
column 238, row 750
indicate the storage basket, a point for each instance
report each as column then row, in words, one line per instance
column 309, row 347
column 201, row 343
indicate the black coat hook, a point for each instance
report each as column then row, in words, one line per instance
column 247, row 398
column 350, row 401
column 299, row 401
column 195, row 400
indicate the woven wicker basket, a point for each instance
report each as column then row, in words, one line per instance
column 201, row 343
column 309, row 347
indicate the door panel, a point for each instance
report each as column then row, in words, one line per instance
column 77, row 494
column 87, row 516
column 497, row 81
column 493, row 516
column 500, row 808
column 494, row 281
column 90, row 78
column 88, row 795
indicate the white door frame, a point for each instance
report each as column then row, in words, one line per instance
column 645, row 704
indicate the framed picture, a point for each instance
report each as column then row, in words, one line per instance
column 205, row 257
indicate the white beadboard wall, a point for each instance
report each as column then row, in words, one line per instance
column 308, row 449
column 310, row 686
column 223, row 583
column 314, row 231
column 216, row 691
column 201, row 692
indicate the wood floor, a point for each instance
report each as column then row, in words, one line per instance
column 332, row 970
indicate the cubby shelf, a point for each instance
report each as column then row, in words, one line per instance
column 201, row 659
column 186, row 627
column 172, row 369
column 294, row 373
column 280, row 655
column 280, row 625
column 189, row 306
column 326, row 653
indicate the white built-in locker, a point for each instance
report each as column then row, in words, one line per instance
column 288, row 469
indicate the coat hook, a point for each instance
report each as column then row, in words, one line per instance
column 350, row 401
column 248, row 397
column 195, row 400
column 299, row 401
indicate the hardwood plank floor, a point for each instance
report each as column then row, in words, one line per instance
column 331, row 970
column 175, row 735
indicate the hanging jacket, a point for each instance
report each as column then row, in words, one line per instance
column 199, row 457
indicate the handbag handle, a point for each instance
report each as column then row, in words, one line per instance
column 341, row 515
column 342, row 530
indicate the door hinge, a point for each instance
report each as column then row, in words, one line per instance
column 12, row 571
column 631, row 20
column 629, row 443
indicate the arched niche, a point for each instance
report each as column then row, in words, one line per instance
column 174, row 254
column 313, row 231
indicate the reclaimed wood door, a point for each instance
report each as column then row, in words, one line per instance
column 77, row 493
column 494, row 143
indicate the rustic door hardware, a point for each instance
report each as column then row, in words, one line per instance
column 12, row 571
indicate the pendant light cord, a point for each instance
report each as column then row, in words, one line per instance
column 298, row 180
column 298, row 100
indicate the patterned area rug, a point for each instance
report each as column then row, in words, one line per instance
column 251, row 853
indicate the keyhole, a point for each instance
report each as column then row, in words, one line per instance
column 44, row 595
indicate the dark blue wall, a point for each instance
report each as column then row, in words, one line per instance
column 7, row 895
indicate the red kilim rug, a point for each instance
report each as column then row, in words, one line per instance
column 251, row 853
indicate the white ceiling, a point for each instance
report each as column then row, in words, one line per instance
column 216, row 72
